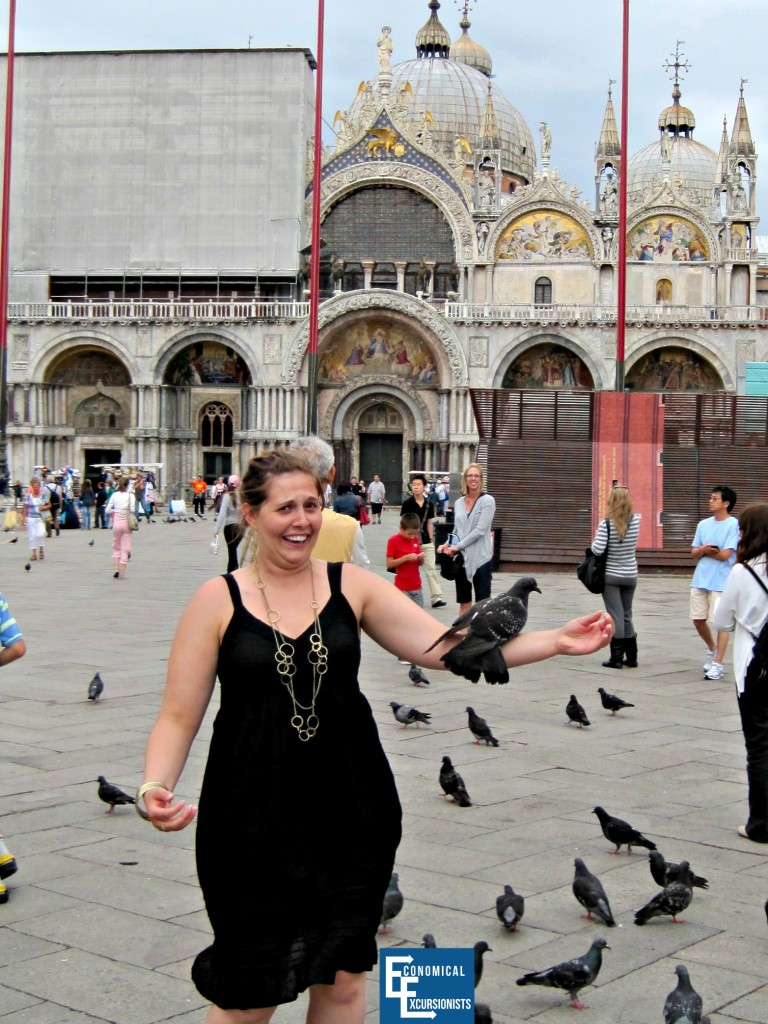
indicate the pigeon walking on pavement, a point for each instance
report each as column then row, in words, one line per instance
column 483, row 1014
column 611, row 702
column 589, row 891
column 417, row 677
column 576, row 712
column 480, row 729
column 683, row 1004
column 407, row 715
column 664, row 872
column 510, row 908
column 480, row 949
column 452, row 783
column 671, row 901
column 393, row 903
column 428, row 941
column 112, row 795
column 488, row 624
column 571, row 975
column 620, row 832
column 95, row 687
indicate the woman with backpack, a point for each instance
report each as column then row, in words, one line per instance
column 743, row 608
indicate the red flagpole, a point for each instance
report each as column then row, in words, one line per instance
column 621, row 249
column 314, row 259
column 4, row 255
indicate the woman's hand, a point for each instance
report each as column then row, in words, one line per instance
column 165, row 815
column 585, row 635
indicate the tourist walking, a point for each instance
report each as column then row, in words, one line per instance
column 471, row 537
column 619, row 532
column 35, row 511
column 377, row 495
column 87, row 502
column 714, row 549
column 228, row 520
column 119, row 506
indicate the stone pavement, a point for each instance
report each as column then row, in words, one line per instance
column 104, row 915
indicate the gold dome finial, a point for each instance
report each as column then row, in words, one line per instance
column 432, row 40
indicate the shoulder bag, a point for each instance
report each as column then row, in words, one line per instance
column 591, row 570
column 760, row 650
column 133, row 522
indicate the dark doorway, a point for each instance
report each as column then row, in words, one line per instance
column 216, row 464
column 97, row 456
column 383, row 454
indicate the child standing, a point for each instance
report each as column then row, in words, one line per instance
column 404, row 557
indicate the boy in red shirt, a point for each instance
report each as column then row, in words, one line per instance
column 404, row 556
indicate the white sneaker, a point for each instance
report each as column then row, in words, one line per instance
column 715, row 671
column 710, row 659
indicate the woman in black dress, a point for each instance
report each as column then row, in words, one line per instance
column 293, row 880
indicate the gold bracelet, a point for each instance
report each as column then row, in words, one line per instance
column 145, row 789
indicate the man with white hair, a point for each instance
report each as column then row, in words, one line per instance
column 340, row 538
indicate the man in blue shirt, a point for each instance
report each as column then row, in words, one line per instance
column 714, row 548
column 12, row 647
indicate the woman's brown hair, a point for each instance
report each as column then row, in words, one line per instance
column 753, row 524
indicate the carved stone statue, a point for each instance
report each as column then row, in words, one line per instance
column 486, row 188
column 337, row 272
column 609, row 197
column 384, row 44
column 422, row 276
column 738, row 194
column 546, row 140
column 483, row 230
column 666, row 148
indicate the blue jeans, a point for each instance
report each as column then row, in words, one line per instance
column 86, row 517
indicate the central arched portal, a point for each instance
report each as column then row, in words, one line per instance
column 380, row 431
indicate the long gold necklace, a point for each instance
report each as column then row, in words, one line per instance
column 306, row 725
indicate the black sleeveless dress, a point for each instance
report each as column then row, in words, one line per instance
column 295, row 840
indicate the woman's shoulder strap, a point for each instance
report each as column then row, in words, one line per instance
column 334, row 577
column 234, row 590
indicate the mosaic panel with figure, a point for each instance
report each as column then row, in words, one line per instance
column 89, row 367
column 667, row 240
column 548, row 366
column 207, row 362
column 544, row 235
column 376, row 347
column 673, row 369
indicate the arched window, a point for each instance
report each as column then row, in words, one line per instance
column 99, row 414
column 216, row 427
column 542, row 293
column 663, row 292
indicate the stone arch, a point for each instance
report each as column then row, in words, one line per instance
column 100, row 414
column 346, row 407
column 225, row 349
column 636, row 238
column 645, row 359
column 337, row 186
column 437, row 332
column 547, row 206
column 70, row 344
column 535, row 338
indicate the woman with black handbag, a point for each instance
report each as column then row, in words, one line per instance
column 620, row 540
column 472, row 539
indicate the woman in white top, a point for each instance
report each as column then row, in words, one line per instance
column 743, row 608
column 33, row 513
column 620, row 573
column 119, row 505
column 229, row 518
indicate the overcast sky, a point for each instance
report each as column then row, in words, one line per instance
column 552, row 58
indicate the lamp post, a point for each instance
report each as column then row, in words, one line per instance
column 314, row 258
column 621, row 254
column 4, row 258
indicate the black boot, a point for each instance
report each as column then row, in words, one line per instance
column 630, row 651
column 616, row 659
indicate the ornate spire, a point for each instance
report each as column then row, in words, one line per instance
column 609, row 144
column 741, row 139
column 491, row 139
column 432, row 40
column 465, row 50
column 721, row 171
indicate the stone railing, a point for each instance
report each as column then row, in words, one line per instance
column 664, row 315
column 158, row 310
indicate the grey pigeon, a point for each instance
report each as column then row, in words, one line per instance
column 510, row 908
column 683, row 1003
column 483, row 1014
column 571, row 975
column 480, row 949
column 620, row 832
column 417, row 677
column 576, row 712
column 91, row 543
column 14, row 540
column 95, row 687
column 480, row 729
column 112, row 795
column 488, row 624
column 664, row 872
column 611, row 702
column 428, row 941
column 671, row 901
column 28, row 566
column 393, row 903
column 453, row 784
column 589, row 891
column 407, row 715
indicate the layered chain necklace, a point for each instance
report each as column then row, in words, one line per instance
column 304, row 719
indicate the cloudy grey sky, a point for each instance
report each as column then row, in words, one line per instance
column 552, row 58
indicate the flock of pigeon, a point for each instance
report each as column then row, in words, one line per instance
column 487, row 626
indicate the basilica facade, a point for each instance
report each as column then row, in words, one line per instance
column 160, row 239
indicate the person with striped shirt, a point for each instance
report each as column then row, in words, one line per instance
column 620, row 573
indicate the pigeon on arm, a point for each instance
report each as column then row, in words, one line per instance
column 489, row 624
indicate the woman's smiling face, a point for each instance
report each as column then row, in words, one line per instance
column 289, row 519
